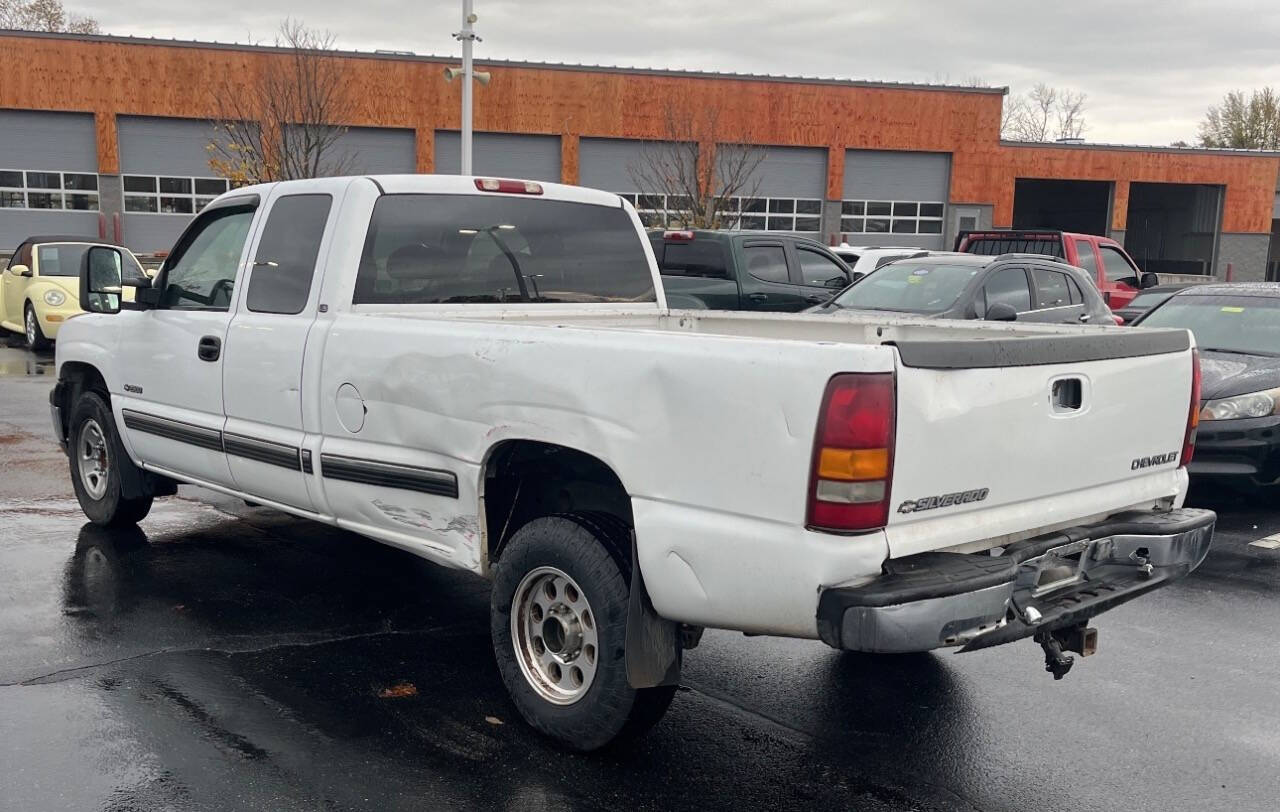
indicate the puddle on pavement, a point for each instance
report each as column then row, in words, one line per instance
column 21, row 364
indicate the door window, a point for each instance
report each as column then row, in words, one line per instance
column 1117, row 266
column 201, row 273
column 1051, row 289
column 818, row 270
column 767, row 263
column 286, row 262
column 1077, row 296
column 1085, row 258
column 1008, row 286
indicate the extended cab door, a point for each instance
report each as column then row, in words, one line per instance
column 171, row 356
column 266, row 341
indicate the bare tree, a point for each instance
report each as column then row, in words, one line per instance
column 287, row 121
column 698, row 175
column 44, row 15
column 1043, row 114
column 1243, row 123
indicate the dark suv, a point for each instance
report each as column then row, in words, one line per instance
column 1021, row 287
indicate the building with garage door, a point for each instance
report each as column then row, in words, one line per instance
column 125, row 152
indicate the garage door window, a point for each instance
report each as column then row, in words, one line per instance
column 40, row 189
column 746, row 213
column 890, row 217
column 168, row 194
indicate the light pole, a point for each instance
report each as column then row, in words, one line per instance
column 467, row 35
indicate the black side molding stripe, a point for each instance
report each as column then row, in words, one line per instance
column 173, row 430
column 1029, row 351
column 389, row 475
column 284, row 456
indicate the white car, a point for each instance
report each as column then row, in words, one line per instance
column 485, row 373
column 863, row 259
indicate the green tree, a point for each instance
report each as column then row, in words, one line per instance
column 44, row 15
column 1243, row 123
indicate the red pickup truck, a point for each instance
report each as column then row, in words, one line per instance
column 1112, row 270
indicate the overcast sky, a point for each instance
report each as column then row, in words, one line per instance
column 1149, row 68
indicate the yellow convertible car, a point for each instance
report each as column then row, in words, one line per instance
column 41, row 287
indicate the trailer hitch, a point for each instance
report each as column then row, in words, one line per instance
column 1056, row 642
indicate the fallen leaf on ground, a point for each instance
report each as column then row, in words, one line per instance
column 493, row 720
column 399, row 691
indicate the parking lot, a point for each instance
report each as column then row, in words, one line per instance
column 227, row 656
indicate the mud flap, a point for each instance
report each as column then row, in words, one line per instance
column 653, row 644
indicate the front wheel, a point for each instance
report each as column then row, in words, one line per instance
column 35, row 336
column 558, row 618
column 97, row 457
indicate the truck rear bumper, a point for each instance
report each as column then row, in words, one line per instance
column 976, row 600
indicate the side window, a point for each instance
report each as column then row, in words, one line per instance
column 698, row 258
column 819, row 270
column 767, row 262
column 1085, row 258
column 280, row 281
column 201, row 272
column 1077, row 297
column 1051, row 289
column 1117, row 266
column 1009, row 286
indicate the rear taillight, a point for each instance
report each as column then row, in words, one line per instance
column 853, row 454
column 513, row 187
column 1193, row 416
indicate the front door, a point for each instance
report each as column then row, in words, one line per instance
column 264, row 440
column 171, row 406
column 1057, row 298
column 820, row 274
column 767, row 284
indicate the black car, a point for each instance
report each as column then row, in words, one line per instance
column 1009, row 287
column 1237, row 330
column 1146, row 300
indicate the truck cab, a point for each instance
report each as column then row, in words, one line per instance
column 1113, row 271
column 746, row 270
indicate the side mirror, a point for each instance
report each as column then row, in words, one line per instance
column 1148, row 280
column 836, row 283
column 1001, row 311
column 101, row 279
column 20, row 270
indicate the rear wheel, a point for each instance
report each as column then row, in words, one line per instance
column 97, row 458
column 35, row 336
column 559, row 624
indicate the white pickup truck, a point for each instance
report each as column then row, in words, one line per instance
column 485, row 373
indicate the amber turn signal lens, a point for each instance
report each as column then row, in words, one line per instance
column 853, row 464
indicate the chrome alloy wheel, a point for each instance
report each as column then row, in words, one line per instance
column 91, row 453
column 555, row 635
column 31, row 327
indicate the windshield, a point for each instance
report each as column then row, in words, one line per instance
column 909, row 287
column 1231, row 323
column 63, row 259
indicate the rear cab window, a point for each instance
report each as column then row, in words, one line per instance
column 455, row 249
column 692, row 258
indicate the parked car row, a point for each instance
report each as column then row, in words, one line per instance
column 485, row 372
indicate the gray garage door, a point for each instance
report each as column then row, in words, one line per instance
column 532, row 157
column 164, row 164
column 378, row 151
column 895, row 198
column 48, row 180
column 606, row 163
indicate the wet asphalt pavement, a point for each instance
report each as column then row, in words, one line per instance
column 229, row 657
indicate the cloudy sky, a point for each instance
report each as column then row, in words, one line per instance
column 1149, row 68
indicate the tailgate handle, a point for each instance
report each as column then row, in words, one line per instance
column 1067, row 394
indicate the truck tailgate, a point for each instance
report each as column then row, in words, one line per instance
column 1013, row 436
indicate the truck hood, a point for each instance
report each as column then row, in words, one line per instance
column 1225, row 374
